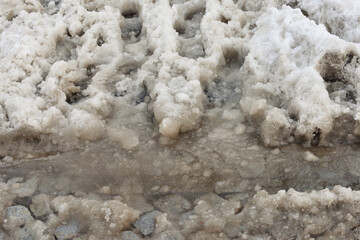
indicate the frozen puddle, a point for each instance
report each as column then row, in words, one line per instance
column 179, row 119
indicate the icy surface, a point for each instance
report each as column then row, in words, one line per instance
column 175, row 119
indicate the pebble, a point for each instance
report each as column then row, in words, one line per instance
column 232, row 229
column 232, row 186
column 22, row 216
column 68, row 231
column 207, row 173
column 308, row 156
column 173, row 203
column 257, row 188
column 19, row 212
column 105, row 190
column 170, row 235
column 129, row 235
column 164, row 189
column 147, row 223
column 26, row 236
column 155, row 188
column 253, row 148
column 276, row 151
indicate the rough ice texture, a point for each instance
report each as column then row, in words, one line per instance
column 324, row 214
column 321, row 214
column 67, row 216
column 109, row 217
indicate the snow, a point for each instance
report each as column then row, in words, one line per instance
column 236, row 119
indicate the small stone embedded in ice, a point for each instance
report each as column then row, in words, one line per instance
column 155, row 188
column 173, row 203
column 129, row 235
column 147, row 223
column 7, row 159
column 27, row 188
column 257, row 188
column 207, row 173
column 276, row 151
column 164, row 189
column 310, row 157
column 64, row 232
column 19, row 212
column 105, row 190
column 40, row 205
column 25, row 235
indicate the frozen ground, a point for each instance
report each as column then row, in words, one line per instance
column 197, row 119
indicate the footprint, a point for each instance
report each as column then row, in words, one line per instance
column 74, row 92
column 222, row 90
column 131, row 27
column 219, row 92
column 233, row 59
column 191, row 25
column 65, row 48
column 191, row 48
column 127, row 85
column 338, row 73
column 190, row 39
column 51, row 6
